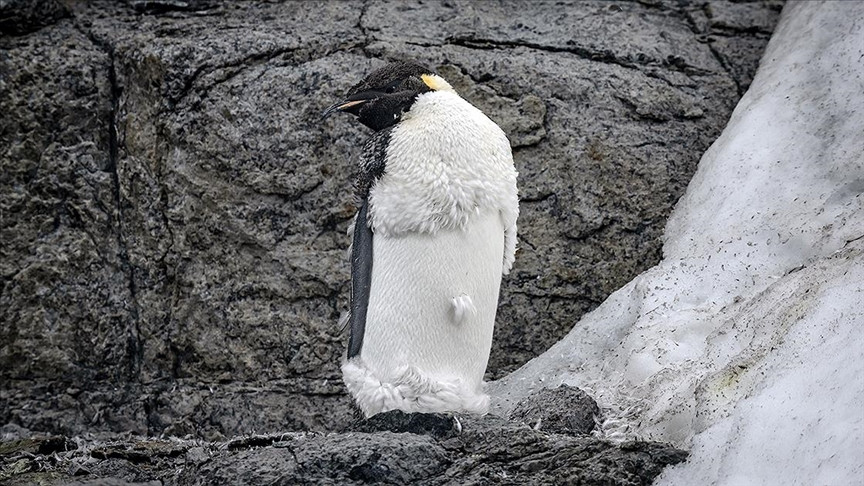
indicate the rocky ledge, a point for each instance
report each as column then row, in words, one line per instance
column 549, row 443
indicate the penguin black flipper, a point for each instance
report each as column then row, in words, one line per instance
column 372, row 164
column 361, row 278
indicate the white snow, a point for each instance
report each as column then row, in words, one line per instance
column 746, row 343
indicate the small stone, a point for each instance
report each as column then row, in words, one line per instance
column 78, row 470
column 197, row 455
column 564, row 410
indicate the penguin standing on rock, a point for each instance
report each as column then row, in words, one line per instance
column 434, row 232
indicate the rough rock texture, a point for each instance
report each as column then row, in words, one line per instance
column 173, row 214
column 476, row 451
column 18, row 17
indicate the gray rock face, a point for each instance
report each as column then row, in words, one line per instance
column 174, row 214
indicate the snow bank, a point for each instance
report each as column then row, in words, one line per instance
column 746, row 343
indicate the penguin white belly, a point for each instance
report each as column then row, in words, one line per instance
column 430, row 319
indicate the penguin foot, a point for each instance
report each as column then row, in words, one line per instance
column 438, row 425
column 411, row 391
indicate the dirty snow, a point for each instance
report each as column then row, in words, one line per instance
column 746, row 343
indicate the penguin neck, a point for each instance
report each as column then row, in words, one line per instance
column 432, row 108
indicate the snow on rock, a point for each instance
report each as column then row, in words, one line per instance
column 746, row 343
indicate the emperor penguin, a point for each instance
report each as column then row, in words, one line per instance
column 434, row 232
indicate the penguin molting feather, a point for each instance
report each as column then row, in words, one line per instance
column 434, row 232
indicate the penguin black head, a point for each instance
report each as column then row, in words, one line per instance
column 382, row 97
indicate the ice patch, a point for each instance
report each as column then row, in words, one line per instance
column 745, row 342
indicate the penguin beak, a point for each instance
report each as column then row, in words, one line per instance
column 341, row 106
column 355, row 100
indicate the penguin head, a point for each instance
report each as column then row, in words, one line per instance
column 382, row 97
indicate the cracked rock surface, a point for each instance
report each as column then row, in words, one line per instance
column 173, row 213
column 490, row 450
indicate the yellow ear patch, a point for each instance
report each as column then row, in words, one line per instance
column 436, row 83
